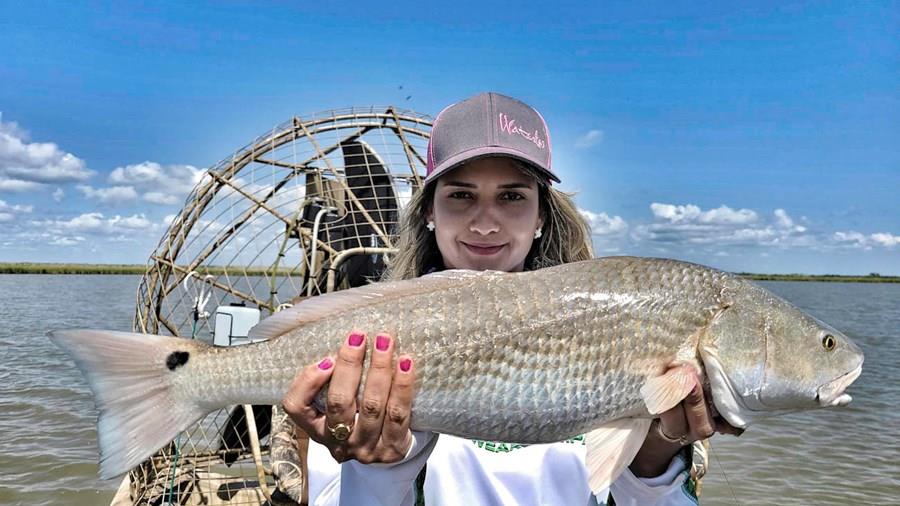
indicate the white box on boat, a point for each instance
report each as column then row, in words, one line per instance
column 233, row 324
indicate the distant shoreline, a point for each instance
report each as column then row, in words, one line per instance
column 115, row 269
column 828, row 278
column 135, row 269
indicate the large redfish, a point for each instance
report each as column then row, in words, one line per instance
column 596, row 347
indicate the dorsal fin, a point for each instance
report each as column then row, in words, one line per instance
column 330, row 304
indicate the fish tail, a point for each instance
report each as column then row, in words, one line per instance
column 133, row 378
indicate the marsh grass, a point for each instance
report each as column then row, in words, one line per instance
column 834, row 278
column 42, row 268
column 48, row 268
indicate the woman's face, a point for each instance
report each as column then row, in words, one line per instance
column 485, row 214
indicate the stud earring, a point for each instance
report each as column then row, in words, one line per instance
column 430, row 226
column 538, row 233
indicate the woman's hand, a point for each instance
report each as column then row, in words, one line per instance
column 691, row 420
column 379, row 427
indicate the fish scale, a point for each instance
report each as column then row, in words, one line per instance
column 481, row 356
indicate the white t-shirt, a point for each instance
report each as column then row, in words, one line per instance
column 475, row 473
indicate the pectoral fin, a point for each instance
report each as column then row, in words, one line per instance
column 611, row 447
column 664, row 392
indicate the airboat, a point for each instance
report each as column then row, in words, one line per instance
column 304, row 209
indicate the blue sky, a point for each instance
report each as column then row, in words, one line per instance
column 752, row 137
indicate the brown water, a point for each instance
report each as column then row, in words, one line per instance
column 49, row 453
column 841, row 456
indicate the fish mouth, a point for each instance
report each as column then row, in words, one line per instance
column 832, row 393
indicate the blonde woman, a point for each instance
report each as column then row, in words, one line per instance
column 487, row 203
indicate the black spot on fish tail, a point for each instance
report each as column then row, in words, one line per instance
column 177, row 359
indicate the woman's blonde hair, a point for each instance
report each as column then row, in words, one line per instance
column 566, row 237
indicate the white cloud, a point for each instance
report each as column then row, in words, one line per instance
column 783, row 220
column 723, row 226
column 149, row 181
column 85, row 233
column 17, row 185
column 134, row 222
column 97, row 223
column 603, row 224
column 59, row 194
column 67, row 241
column 123, row 238
column 689, row 225
column 691, row 213
column 591, row 138
column 851, row 239
column 12, row 129
column 15, row 208
column 859, row 240
column 110, row 195
column 22, row 161
column 161, row 198
column 9, row 213
column 84, row 222
column 158, row 184
column 289, row 197
column 886, row 239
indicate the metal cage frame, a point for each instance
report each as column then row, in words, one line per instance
column 281, row 249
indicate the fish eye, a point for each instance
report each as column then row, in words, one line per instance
column 829, row 342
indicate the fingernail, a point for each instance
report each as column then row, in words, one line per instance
column 405, row 364
column 382, row 342
column 325, row 364
column 355, row 339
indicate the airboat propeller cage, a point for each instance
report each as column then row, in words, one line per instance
column 308, row 207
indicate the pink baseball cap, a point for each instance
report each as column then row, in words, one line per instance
column 488, row 124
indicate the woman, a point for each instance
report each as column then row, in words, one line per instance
column 487, row 203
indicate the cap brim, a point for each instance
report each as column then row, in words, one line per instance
column 483, row 152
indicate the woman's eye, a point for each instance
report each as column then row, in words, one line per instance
column 512, row 196
column 460, row 195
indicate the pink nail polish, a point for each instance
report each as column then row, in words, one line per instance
column 405, row 365
column 325, row 364
column 382, row 342
column 355, row 339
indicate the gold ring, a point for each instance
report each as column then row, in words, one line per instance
column 340, row 431
column 680, row 441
